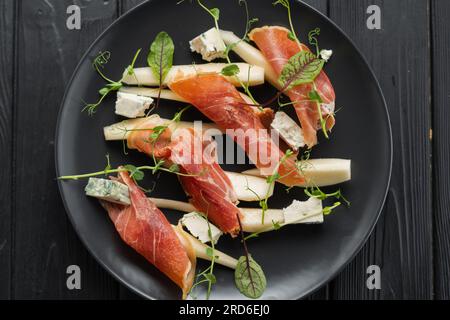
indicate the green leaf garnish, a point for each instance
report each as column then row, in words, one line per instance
column 230, row 70
column 315, row 96
column 160, row 57
column 135, row 172
column 249, row 277
column 174, row 168
column 99, row 63
column 215, row 12
column 291, row 36
column 302, row 68
column 207, row 276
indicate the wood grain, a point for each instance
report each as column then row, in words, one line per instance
column 402, row 243
column 320, row 5
column 45, row 242
column 7, row 22
column 440, row 14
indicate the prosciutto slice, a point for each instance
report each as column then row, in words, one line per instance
column 203, row 180
column 276, row 46
column 219, row 100
column 145, row 228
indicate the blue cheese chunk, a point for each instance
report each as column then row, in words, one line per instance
column 132, row 105
column 109, row 190
column 288, row 130
column 309, row 211
column 209, row 44
column 198, row 227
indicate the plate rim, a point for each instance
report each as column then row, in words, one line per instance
column 324, row 280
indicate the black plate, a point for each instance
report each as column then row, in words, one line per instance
column 298, row 259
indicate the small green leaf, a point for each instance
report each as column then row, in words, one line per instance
column 209, row 252
column 103, row 91
column 210, row 277
column 174, row 168
column 157, row 132
column 273, row 178
column 158, row 166
column 291, row 36
column 135, row 173
column 215, row 12
column 276, row 225
column 160, row 58
column 114, row 86
column 249, row 278
column 230, row 70
column 315, row 96
column 302, row 68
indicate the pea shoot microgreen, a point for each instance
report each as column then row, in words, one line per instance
column 137, row 173
column 312, row 39
column 99, row 63
column 285, row 3
column 207, row 276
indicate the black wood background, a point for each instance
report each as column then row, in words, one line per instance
column 410, row 56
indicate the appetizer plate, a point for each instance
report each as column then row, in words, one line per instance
column 297, row 259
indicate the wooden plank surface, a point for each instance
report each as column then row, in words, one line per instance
column 402, row 242
column 45, row 242
column 6, row 139
column 440, row 14
column 42, row 242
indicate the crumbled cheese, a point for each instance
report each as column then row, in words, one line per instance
column 198, row 227
column 288, row 130
column 131, row 105
column 209, row 44
column 108, row 190
column 326, row 54
column 299, row 211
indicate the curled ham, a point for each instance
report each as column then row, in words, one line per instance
column 276, row 46
column 204, row 181
column 145, row 228
column 219, row 100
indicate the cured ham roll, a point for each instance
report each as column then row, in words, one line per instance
column 204, row 181
column 209, row 188
column 145, row 228
column 278, row 48
column 219, row 100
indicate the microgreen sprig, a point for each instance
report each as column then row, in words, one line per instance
column 99, row 63
column 136, row 173
column 285, row 3
column 312, row 38
column 207, row 275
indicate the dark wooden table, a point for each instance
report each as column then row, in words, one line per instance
column 410, row 56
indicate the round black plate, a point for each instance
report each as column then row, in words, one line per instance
column 297, row 259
